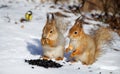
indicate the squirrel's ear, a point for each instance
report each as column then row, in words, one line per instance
column 81, row 25
column 52, row 16
column 47, row 18
column 53, row 19
column 79, row 22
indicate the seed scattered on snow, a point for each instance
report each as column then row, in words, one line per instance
column 89, row 67
column 90, row 71
column 44, row 63
column 32, row 67
column 110, row 72
column 64, row 63
column 16, row 22
column 99, row 72
column 78, row 68
column 22, row 26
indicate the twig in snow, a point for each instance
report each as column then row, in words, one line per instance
column 3, row 6
column 8, row 18
column 116, row 49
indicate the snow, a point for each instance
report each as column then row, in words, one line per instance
column 17, row 44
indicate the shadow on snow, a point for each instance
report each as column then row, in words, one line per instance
column 34, row 47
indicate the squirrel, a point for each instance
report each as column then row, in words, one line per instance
column 85, row 47
column 52, row 41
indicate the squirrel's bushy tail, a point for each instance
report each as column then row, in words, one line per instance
column 102, row 36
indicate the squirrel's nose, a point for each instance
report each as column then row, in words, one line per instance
column 45, row 36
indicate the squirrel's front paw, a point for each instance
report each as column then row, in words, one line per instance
column 47, row 41
column 67, row 50
column 42, row 41
column 74, row 53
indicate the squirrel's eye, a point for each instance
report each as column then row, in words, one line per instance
column 75, row 32
column 50, row 31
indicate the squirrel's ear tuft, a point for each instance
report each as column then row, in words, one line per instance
column 52, row 19
column 81, row 25
column 47, row 18
column 52, row 16
column 80, row 21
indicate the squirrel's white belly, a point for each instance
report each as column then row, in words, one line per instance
column 53, row 52
column 74, row 43
column 81, row 57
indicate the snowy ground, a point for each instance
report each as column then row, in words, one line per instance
column 17, row 44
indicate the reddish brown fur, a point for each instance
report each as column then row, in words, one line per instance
column 85, row 48
column 52, row 40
